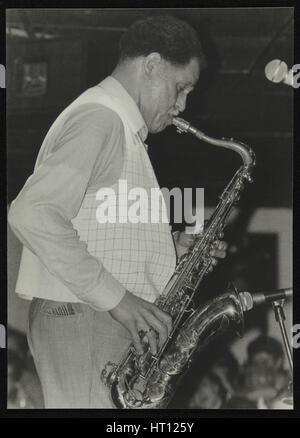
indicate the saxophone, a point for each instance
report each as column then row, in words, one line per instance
column 149, row 381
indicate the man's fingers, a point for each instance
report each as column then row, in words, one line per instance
column 159, row 326
column 147, row 334
column 223, row 246
column 138, row 316
column 219, row 249
column 217, row 253
column 136, row 339
column 214, row 261
column 152, row 338
column 220, row 245
column 162, row 317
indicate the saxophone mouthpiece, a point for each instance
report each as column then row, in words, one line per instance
column 181, row 125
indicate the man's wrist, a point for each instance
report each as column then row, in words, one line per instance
column 105, row 296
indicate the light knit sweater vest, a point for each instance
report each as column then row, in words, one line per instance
column 140, row 255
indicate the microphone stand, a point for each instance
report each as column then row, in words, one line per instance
column 280, row 318
column 248, row 301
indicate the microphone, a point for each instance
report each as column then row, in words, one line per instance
column 249, row 300
column 277, row 71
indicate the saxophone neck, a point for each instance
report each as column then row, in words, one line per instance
column 245, row 152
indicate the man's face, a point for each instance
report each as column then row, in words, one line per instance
column 207, row 395
column 264, row 359
column 167, row 93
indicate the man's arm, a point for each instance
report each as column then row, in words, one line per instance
column 41, row 214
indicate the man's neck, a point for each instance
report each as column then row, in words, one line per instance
column 128, row 76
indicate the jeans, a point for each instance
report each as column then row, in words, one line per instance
column 70, row 344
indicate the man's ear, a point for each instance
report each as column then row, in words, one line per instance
column 152, row 63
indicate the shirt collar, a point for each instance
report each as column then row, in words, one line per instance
column 116, row 90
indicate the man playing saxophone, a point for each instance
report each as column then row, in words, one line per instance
column 93, row 285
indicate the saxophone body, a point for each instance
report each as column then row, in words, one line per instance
column 147, row 381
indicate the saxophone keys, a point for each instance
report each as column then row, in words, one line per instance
column 212, row 251
column 190, row 310
column 156, row 392
column 134, row 398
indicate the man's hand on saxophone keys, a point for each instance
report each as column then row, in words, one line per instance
column 145, row 322
column 183, row 241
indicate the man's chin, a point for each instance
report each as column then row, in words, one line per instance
column 157, row 129
column 161, row 126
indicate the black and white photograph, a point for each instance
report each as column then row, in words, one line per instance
column 150, row 208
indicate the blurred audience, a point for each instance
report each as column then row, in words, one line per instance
column 237, row 402
column 261, row 383
column 226, row 367
column 209, row 394
column 23, row 386
column 263, row 378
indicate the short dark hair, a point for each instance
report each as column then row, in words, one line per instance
column 174, row 39
column 265, row 344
